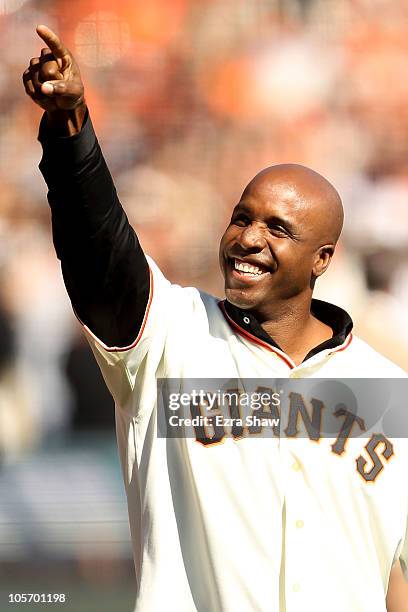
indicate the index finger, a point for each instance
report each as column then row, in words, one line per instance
column 52, row 41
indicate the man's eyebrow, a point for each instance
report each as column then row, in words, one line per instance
column 241, row 206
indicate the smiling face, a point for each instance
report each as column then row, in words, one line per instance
column 281, row 237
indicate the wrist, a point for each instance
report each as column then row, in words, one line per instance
column 66, row 122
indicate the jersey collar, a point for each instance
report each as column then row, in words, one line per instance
column 333, row 316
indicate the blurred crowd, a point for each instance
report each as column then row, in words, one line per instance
column 190, row 98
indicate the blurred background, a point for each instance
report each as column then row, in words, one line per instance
column 190, row 98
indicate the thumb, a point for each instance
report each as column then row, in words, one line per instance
column 52, row 88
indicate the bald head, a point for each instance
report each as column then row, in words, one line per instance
column 308, row 193
column 286, row 224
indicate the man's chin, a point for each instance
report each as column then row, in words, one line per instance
column 240, row 298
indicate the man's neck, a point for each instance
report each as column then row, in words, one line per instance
column 296, row 330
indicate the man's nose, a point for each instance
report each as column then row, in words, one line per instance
column 252, row 237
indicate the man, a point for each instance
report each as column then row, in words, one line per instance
column 255, row 523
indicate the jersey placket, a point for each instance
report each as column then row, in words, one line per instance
column 296, row 548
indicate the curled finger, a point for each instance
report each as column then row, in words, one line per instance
column 28, row 84
column 49, row 69
column 34, row 72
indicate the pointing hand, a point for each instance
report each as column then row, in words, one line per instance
column 53, row 80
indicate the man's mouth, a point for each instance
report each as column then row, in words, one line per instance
column 244, row 270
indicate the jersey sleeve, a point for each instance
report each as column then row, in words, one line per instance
column 123, row 366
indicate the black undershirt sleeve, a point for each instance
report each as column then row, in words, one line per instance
column 103, row 265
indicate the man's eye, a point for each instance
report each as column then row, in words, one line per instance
column 240, row 220
column 278, row 230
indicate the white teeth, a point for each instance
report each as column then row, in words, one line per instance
column 247, row 268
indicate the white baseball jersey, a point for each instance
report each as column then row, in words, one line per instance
column 255, row 525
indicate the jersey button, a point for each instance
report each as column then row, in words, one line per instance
column 296, row 587
column 299, row 524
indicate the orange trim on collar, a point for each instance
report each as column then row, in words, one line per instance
column 343, row 346
column 256, row 340
column 277, row 352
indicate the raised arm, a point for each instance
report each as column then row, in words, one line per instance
column 104, row 268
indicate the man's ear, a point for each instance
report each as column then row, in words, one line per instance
column 323, row 259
